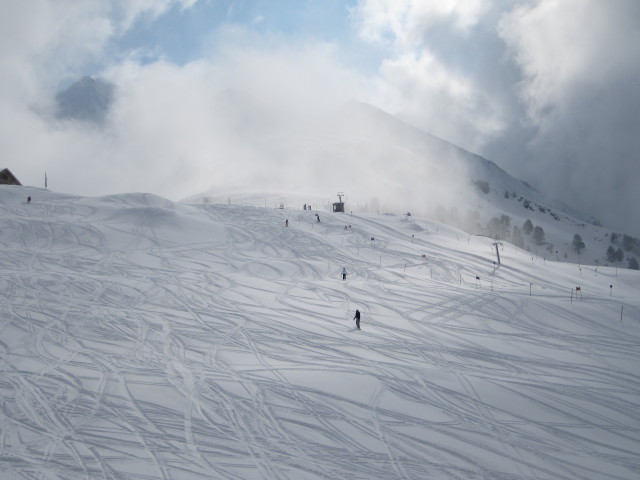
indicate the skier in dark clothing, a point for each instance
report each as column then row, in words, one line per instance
column 357, row 318
column 29, row 199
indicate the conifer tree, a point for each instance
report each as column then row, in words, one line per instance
column 578, row 244
column 538, row 235
column 516, row 237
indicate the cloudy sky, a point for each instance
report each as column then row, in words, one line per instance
column 547, row 89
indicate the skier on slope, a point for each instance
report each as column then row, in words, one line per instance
column 357, row 318
column 344, row 273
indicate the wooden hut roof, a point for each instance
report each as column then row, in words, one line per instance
column 8, row 178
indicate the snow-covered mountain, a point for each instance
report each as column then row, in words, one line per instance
column 382, row 164
column 148, row 339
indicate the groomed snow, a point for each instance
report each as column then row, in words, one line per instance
column 144, row 339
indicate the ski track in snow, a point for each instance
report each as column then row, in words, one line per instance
column 128, row 352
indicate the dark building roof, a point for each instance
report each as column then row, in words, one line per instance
column 8, row 178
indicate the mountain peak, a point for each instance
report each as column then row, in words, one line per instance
column 87, row 100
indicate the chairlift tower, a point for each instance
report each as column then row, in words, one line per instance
column 497, row 244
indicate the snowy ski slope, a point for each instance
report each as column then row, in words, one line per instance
column 144, row 339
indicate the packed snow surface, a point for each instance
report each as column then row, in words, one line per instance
column 144, row 339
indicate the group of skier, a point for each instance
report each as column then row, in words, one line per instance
column 344, row 270
column 357, row 315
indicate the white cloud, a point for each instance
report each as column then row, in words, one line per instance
column 580, row 66
column 44, row 42
column 172, row 117
column 441, row 101
column 418, row 81
column 403, row 22
column 569, row 44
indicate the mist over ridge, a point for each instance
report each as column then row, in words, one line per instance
column 241, row 147
column 233, row 137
